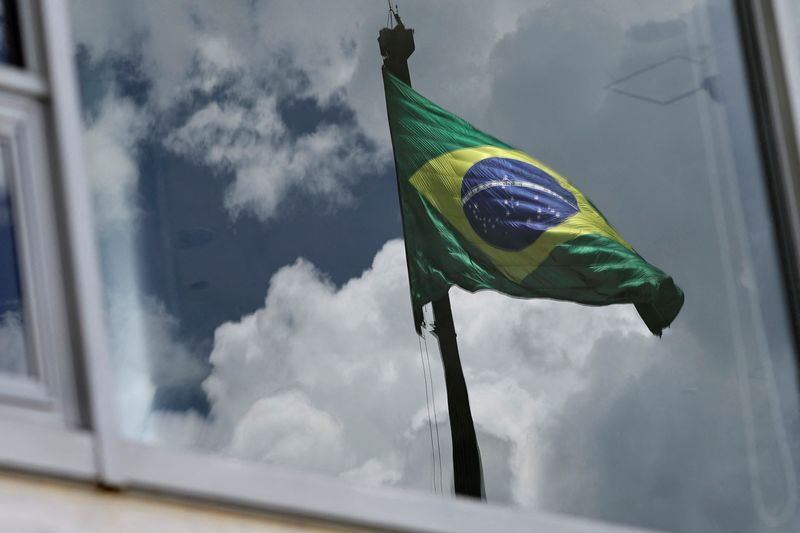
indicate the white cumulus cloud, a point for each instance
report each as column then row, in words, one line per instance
column 329, row 379
column 268, row 161
column 111, row 139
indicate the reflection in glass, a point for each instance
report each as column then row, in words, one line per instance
column 256, row 287
column 12, row 339
column 794, row 12
column 10, row 48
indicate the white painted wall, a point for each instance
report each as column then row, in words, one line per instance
column 37, row 505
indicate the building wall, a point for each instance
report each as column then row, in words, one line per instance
column 38, row 505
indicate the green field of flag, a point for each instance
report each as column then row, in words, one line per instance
column 481, row 215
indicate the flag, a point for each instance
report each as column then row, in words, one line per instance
column 479, row 214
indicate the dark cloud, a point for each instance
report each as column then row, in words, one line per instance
column 667, row 449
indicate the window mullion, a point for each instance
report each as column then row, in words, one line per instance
column 83, row 282
column 768, row 33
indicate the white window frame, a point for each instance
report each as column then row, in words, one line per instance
column 40, row 416
column 91, row 448
column 23, row 157
column 785, row 92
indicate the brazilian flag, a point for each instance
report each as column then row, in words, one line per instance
column 481, row 215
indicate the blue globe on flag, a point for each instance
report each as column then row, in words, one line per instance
column 510, row 203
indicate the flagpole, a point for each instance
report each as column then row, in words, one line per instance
column 396, row 46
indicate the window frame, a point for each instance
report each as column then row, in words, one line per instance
column 74, row 220
column 43, row 421
column 23, row 157
column 772, row 64
column 787, row 102
column 92, row 449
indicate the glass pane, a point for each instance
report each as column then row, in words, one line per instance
column 12, row 335
column 794, row 12
column 256, row 289
column 10, row 47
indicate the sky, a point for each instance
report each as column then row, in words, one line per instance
column 255, row 283
column 12, row 338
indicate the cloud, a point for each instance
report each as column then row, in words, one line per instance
column 218, row 63
column 13, row 357
column 147, row 356
column 269, row 162
column 568, row 401
column 232, row 68
column 230, row 73
column 627, row 448
column 111, row 139
column 329, row 379
column 375, row 472
column 222, row 63
column 684, row 433
column 288, row 429
column 143, row 336
column 578, row 409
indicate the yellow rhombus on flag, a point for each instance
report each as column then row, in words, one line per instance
column 481, row 215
